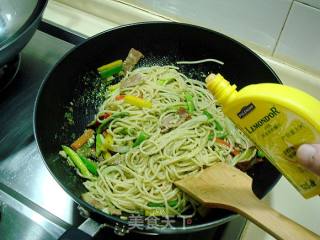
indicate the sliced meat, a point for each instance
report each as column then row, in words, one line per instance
column 132, row 80
column 171, row 121
column 183, row 114
column 132, row 59
column 87, row 197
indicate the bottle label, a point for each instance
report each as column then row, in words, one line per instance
column 279, row 132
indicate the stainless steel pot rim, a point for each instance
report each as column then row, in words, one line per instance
column 34, row 17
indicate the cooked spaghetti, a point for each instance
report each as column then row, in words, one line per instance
column 155, row 127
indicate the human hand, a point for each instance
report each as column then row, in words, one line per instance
column 309, row 156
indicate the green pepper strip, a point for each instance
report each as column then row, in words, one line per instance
column 104, row 123
column 261, row 154
column 111, row 71
column 209, row 115
column 163, row 82
column 156, row 212
column 110, row 65
column 124, row 131
column 171, row 203
column 189, row 100
column 210, row 136
column 218, row 135
column 142, row 136
column 218, row 125
column 221, row 134
column 77, row 161
column 91, row 165
column 99, row 144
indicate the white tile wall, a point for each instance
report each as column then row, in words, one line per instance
column 75, row 19
column 299, row 42
column 111, row 11
column 257, row 22
column 312, row 3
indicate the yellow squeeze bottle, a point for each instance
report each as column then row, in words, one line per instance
column 277, row 119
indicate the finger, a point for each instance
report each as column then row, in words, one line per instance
column 309, row 156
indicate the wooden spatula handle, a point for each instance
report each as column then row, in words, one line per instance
column 223, row 186
column 274, row 222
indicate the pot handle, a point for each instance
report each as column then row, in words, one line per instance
column 74, row 233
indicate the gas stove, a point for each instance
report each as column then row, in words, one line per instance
column 32, row 205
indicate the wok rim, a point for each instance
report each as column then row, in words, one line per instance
column 98, row 214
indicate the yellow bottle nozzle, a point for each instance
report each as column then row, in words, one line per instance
column 221, row 88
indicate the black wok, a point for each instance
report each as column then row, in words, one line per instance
column 161, row 43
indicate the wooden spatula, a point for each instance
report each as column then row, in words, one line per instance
column 224, row 186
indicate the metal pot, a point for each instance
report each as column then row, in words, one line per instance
column 19, row 20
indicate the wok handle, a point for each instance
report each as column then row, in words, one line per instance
column 74, row 233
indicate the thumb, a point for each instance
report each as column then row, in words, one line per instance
column 309, row 156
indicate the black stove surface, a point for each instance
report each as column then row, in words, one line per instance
column 32, row 204
column 9, row 71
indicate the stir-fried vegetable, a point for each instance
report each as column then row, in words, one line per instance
column 104, row 123
column 189, row 101
column 218, row 125
column 220, row 134
column 75, row 158
column 99, row 144
column 106, row 155
column 234, row 151
column 261, row 154
column 119, row 97
column 82, row 139
column 91, row 165
column 221, row 141
column 86, row 149
column 108, row 141
column 96, row 123
column 211, row 136
column 165, row 81
column 209, row 115
column 138, row 102
column 171, row 203
column 142, row 136
column 110, row 69
column 109, row 65
column 157, row 212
